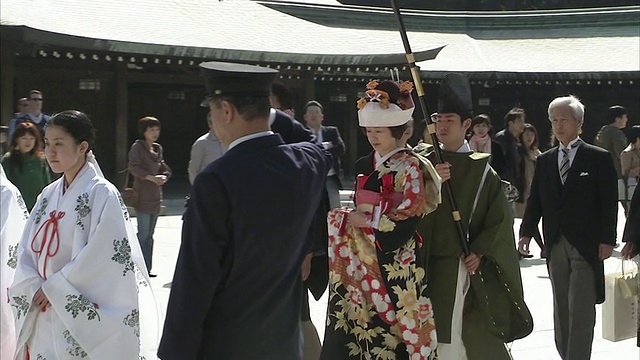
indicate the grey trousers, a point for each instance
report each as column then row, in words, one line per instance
column 574, row 301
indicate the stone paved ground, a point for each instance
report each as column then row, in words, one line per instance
column 537, row 346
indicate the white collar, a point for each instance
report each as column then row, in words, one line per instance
column 381, row 159
column 248, row 137
column 463, row 149
column 272, row 116
column 572, row 144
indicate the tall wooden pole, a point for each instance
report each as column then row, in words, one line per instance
column 415, row 74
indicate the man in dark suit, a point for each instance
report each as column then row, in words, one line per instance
column 631, row 235
column 511, row 169
column 574, row 191
column 316, row 265
column 329, row 137
column 237, row 288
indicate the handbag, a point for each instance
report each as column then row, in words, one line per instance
column 620, row 308
column 129, row 194
column 510, row 192
column 626, row 188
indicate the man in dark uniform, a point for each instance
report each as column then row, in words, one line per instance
column 281, row 118
column 237, row 288
column 316, row 264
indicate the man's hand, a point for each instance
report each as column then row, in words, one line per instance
column 306, row 266
column 472, row 262
column 629, row 250
column 444, row 170
column 605, row 251
column 523, row 245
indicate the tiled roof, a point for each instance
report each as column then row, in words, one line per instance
column 564, row 41
column 195, row 27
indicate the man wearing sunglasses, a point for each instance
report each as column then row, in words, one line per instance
column 33, row 113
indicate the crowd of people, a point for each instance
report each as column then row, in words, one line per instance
column 410, row 274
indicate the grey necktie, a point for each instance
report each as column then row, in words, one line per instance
column 564, row 166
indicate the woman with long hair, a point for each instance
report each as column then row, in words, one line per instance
column 377, row 289
column 529, row 141
column 150, row 173
column 80, row 289
column 24, row 164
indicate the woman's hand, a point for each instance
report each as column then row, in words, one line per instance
column 40, row 299
column 161, row 179
column 157, row 179
column 358, row 219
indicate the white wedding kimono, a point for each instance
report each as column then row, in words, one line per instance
column 13, row 216
column 80, row 247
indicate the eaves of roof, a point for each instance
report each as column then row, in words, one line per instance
column 516, row 43
column 477, row 24
column 231, row 30
column 27, row 36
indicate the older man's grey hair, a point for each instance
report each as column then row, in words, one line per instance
column 572, row 102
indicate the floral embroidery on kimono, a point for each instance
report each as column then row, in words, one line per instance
column 41, row 210
column 82, row 208
column 12, row 262
column 377, row 303
column 77, row 248
column 23, row 207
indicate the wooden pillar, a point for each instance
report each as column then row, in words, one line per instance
column 309, row 86
column 353, row 129
column 7, row 80
column 121, row 128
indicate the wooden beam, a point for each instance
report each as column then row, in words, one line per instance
column 174, row 79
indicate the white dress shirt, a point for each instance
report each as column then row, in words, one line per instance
column 248, row 137
column 572, row 152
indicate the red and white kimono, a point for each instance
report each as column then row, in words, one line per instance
column 377, row 302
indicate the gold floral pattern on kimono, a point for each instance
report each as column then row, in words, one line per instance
column 377, row 298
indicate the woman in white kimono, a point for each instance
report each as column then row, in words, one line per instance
column 81, row 289
column 13, row 216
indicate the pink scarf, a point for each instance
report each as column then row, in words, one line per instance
column 480, row 144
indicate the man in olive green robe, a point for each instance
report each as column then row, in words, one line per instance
column 462, row 325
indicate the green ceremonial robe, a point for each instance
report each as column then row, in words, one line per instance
column 491, row 236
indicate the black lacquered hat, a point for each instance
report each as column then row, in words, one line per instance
column 454, row 95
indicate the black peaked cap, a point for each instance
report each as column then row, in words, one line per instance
column 229, row 79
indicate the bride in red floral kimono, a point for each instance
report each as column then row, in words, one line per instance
column 377, row 303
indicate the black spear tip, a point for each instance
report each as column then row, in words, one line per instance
column 454, row 95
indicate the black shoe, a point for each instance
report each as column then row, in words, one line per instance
column 523, row 256
column 152, row 275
